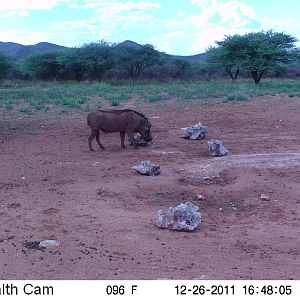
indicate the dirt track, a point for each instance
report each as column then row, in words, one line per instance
column 52, row 187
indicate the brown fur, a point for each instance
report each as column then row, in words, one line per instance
column 125, row 121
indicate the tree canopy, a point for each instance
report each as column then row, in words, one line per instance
column 255, row 52
column 135, row 59
column 226, row 55
column 43, row 66
column 5, row 65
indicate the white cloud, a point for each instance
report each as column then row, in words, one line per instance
column 167, row 42
column 208, row 36
column 29, row 4
column 111, row 17
column 26, row 37
column 233, row 14
column 86, row 24
column 277, row 25
column 214, row 20
column 23, row 13
column 15, row 13
column 73, row 5
column 117, row 6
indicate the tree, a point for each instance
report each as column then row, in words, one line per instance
column 5, row 65
column 72, row 64
column 256, row 52
column 264, row 51
column 135, row 59
column 226, row 55
column 98, row 59
column 43, row 66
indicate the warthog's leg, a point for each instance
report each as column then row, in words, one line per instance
column 98, row 139
column 92, row 136
column 132, row 142
column 122, row 135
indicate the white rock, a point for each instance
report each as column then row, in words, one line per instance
column 183, row 217
column 264, row 197
column 215, row 148
column 49, row 243
column 147, row 168
column 200, row 197
column 139, row 141
column 195, row 132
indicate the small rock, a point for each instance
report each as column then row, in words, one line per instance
column 215, row 148
column 139, row 141
column 183, row 217
column 49, row 243
column 147, row 168
column 200, row 197
column 195, row 132
column 32, row 245
column 264, row 197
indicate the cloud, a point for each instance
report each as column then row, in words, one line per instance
column 201, row 29
column 277, row 25
column 111, row 17
column 29, row 4
column 26, row 37
column 208, row 36
column 168, row 42
column 232, row 14
column 73, row 5
column 111, row 11
column 14, row 13
column 117, row 6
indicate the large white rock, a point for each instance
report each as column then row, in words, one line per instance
column 183, row 217
column 147, row 168
column 195, row 132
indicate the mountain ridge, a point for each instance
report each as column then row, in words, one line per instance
column 21, row 52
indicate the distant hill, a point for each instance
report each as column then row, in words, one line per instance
column 21, row 52
column 129, row 43
column 189, row 58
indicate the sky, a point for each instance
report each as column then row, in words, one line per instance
column 181, row 27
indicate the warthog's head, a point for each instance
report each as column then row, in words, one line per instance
column 145, row 131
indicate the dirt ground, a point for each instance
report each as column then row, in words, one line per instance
column 103, row 212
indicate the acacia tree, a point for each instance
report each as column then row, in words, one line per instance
column 98, row 59
column 72, row 64
column 256, row 52
column 226, row 55
column 43, row 66
column 135, row 59
column 264, row 51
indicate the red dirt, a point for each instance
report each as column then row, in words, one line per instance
column 103, row 212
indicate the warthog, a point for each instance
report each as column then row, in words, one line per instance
column 124, row 120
